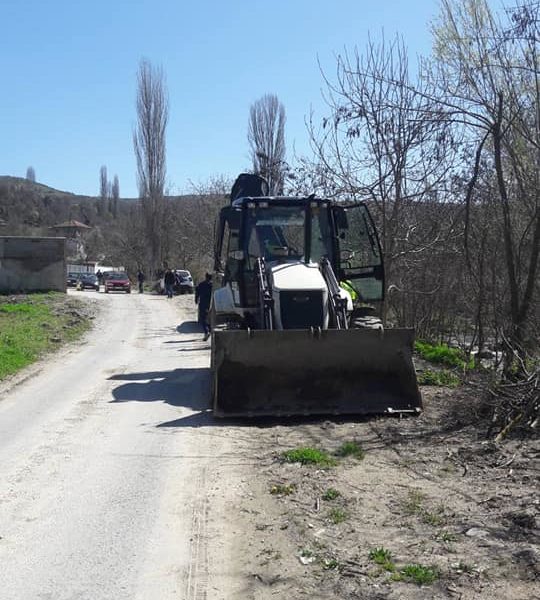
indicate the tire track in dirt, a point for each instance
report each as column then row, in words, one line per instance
column 197, row 571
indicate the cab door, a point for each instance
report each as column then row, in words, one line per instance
column 359, row 257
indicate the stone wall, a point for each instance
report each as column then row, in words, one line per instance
column 30, row 264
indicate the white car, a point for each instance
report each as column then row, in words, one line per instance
column 184, row 282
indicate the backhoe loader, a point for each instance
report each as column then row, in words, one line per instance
column 298, row 286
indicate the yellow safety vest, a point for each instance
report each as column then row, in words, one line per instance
column 347, row 285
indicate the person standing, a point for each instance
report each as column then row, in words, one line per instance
column 140, row 279
column 203, row 297
column 169, row 280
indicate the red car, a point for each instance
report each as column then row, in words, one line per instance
column 116, row 281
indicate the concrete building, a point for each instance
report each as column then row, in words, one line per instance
column 31, row 264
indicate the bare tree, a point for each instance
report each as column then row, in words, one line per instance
column 150, row 151
column 488, row 75
column 115, row 195
column 103, row 190
column 266, row 136
column 31, row 174
column 382, row 142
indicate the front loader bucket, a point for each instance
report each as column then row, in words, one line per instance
column 293, row 372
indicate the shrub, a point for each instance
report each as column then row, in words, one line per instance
column 443, row 354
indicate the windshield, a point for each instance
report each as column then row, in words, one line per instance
column 275, row 233
column 117, row 276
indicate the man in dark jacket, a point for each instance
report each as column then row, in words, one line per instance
column 140, row 279
column 169, row 280
column 203, row 296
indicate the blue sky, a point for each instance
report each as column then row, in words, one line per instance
column 67, row 103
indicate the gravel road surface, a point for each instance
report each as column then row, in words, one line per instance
column 110, row 465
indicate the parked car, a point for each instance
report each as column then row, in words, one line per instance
column 88, row 281
column 117, row 281
column 184, row 282
column 72, row 279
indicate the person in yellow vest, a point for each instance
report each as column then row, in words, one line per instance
column 347, row 286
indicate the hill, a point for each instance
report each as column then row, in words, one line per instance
column 30, row 208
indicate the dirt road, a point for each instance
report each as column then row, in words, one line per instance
column 117, row 483
column 109, row 478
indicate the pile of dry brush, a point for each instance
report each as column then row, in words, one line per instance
column 516, row 403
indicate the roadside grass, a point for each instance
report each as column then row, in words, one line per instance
column 331, row 494
column 413, row 504
column 435, row 518
column 419, row 574
column 309, row 456
column 315, row 456
column 411, row 573
column 443, row 378
column 383, row 558
column 32, row 325
column 337, row 516
column 351, row 449
column 446, row 537
column 443, row 354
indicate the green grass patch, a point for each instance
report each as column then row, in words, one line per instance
column 337, row 515
column 443, row 378
column 309, row 456
column 331, row 494
column 351, row 449
column 443, row 354
column 32, row 325
column 419, row 574
column 383, row 558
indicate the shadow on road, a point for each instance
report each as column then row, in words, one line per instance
column 207, row 419
column 180, row 387
column 189, row 327
column 190, row 388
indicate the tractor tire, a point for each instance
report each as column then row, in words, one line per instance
column 365, row 318
column 368, row 322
